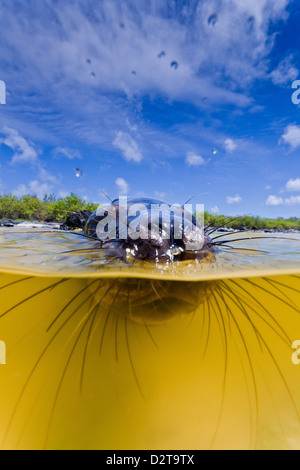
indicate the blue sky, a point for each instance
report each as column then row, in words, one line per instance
column 153, row 98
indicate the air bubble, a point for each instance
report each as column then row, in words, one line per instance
column 215, row 151
column 174, row 65
column 88, row 61
column 161, row 54
column 93, row 75
column 78, row 172
column 213, row 19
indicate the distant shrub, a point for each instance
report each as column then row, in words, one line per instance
column 48, row 209
column 251, row 222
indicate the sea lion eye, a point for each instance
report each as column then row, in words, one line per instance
column 176, row 251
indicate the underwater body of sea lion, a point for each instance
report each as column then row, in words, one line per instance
column 145, row 349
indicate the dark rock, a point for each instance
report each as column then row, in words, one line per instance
column 76, row 220
column 226, row 229
column 7, row 223
column 254, row 228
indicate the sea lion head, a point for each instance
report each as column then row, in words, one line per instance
column 149, row 230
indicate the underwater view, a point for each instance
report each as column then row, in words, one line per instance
column 129, row 318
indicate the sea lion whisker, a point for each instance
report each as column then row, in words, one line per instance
column 243, row 249
column 85, row 250
column 248, row 356
column 285, row 337
column 222, row 328
column 269, row 281
column 32, row 296
column 224, row 225
column 16, row 282
column 108, row 314
column 255, row 238
column 208, row 325
column 70, row 303
column 283, row 285
column 89, row 316
column 95, row 310
column 241, row 307
column 274, row 295
column 227, row 234
column 130, row 355
column 34, row 369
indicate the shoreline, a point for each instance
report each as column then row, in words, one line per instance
column 79, row 223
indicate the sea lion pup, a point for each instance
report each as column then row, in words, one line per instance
column 150, row 231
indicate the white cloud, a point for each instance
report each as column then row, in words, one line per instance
column 63, row 193
column 132, row 128
column 193, row 159
column 230, row 145
column 274, row 201
column 45, row 176
column 160, row 195
column 215, row 210
column 278, row 201
column 291, row 136
column 128, row 146
column 33, row 188
column 285, row 72
column 75, row 31
column 292, row 201
column 25, row 152
column 123, row 186
column 71, row 154
column 293, row 185
column 233, row 200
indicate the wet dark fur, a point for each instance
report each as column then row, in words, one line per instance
column 151, row 249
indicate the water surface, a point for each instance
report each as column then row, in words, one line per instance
column 113, row 356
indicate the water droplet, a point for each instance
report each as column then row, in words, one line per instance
column 88, row 61
column 213, row 19
column 215, row 151
column 93, row 75
column 133, row 72
column 250, row 24
column 78, row 172
column 161, row 54
column 174, row 65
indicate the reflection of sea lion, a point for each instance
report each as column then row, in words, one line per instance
column 149, row 301
column 155, row 246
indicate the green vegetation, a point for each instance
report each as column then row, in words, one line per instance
column 51, row 209
column 251, row 222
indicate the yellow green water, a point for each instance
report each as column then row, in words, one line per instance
column 192, row 356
